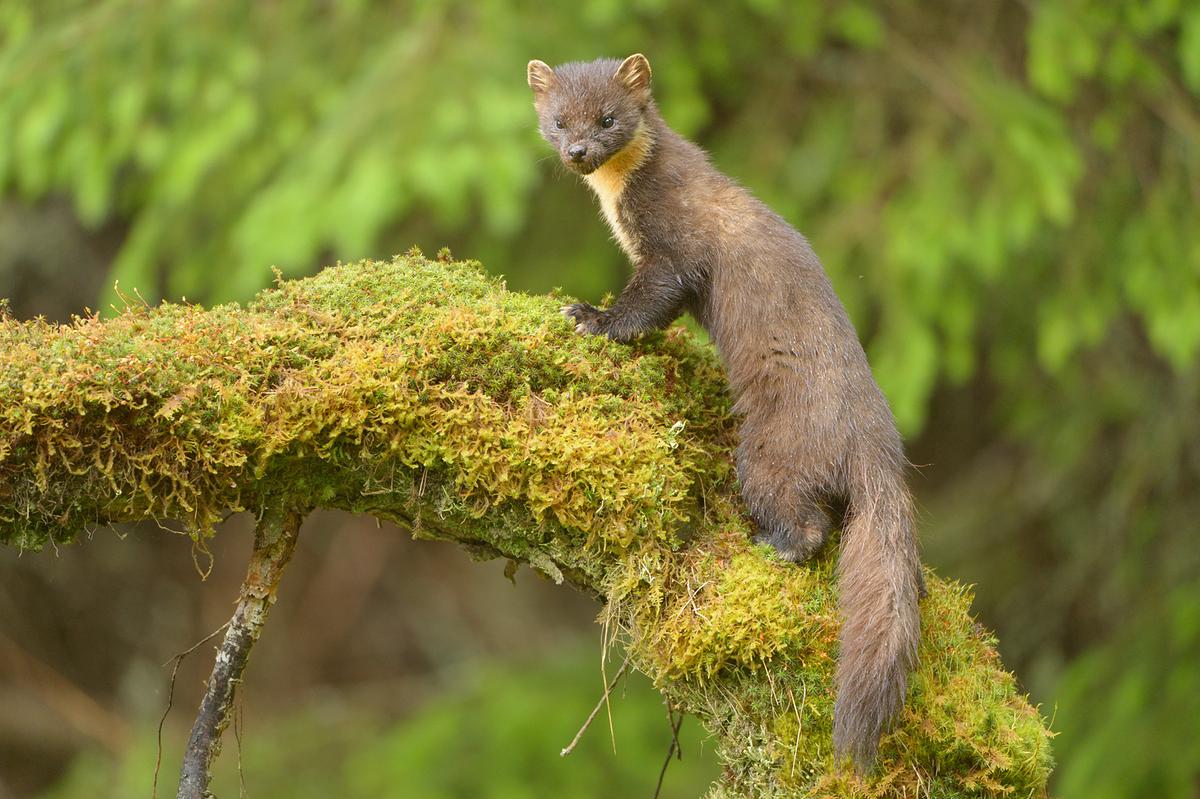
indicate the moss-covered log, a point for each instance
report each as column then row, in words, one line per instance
column 423, row 392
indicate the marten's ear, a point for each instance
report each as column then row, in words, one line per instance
column 634, row 75
column 540, row 76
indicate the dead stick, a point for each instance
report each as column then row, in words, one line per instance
column 673, row 749
column 274, row 541
column 566, row 750
column 171, row 701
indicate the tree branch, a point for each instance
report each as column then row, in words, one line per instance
column 425, row 393
column 274, row 542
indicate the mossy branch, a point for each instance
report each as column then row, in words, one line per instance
column 423, row 392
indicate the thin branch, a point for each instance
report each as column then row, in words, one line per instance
column 239, row 722
column 274, row 542
column 673, row 749
column 171, row 700
column 592, row 716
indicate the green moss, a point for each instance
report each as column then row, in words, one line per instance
column 965, row 731
column 424, row 392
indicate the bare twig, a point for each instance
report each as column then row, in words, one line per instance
column 673, row 749
column 274, row 541
column 171, row 700
column 591, row 716
column 609, row 637
column 799, row 722
column 239, row 722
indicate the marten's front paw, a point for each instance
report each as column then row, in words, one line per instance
column 588, row 319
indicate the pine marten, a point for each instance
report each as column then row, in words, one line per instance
column 816, row 430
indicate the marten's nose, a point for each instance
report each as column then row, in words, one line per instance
column 577, row 152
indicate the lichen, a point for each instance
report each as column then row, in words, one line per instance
column 424, row 392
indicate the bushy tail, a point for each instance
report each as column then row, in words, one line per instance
column 879, row 572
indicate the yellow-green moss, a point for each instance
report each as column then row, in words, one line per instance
column 422, row 391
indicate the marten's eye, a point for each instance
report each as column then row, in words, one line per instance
column 608, row 122
column 558, row 123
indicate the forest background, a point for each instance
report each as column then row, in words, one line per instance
column 1005, row 195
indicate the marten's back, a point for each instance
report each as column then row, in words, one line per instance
column 761, row 293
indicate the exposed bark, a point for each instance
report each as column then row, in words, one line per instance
column 274, row 542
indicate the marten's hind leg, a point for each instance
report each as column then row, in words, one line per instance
column 797, row 539
column 788, row 516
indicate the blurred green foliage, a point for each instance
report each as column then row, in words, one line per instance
column 1005, row 196
column 497, row 735
column 501, row 739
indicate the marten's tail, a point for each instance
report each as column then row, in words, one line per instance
column 879, row 573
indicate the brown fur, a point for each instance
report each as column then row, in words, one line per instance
column 816, row 429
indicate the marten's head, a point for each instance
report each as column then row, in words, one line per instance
column 590, row 111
